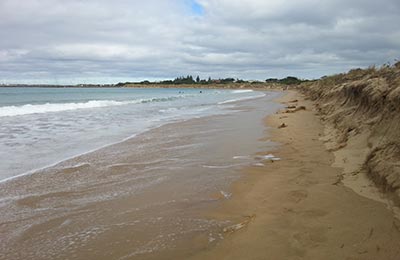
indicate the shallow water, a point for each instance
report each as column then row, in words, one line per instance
column 42, row 126
column 144, row 198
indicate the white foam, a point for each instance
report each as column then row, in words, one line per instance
column 172, row 109
column 226, row 194
column 220, row 166
column 270, row 157
column 266, row 157
column 58, row 107
column 237, row 91
column 241, row 157
column 240, row 99
column 259, row 164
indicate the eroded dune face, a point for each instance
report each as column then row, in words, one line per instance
column 364, row 105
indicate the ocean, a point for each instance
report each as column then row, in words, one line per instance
column 42, row 126
column 123, row 173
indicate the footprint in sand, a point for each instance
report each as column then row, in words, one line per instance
column 310, row 238
column 298, row 195
column 314, row 213
column 305, row 170
column 304, row 180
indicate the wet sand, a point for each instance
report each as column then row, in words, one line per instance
column 165, row 195
column 144, row 198
column 297, row 208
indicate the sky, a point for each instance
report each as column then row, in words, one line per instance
column 102, row 41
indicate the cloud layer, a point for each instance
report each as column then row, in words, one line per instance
column 55, row 41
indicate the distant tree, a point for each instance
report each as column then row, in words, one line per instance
column 167, row 82
column 286, row 81
column 184, row 80
column 290, row 81
column 197, row 79
column 271, row 80
column 227, row 80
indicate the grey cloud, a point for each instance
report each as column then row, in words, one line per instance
column 107, row 41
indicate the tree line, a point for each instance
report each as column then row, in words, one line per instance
column 189, row 80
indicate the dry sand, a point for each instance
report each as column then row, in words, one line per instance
column 298, row 208
column 361, row 112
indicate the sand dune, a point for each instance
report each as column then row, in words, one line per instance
column 298, row 207
column 361, row 111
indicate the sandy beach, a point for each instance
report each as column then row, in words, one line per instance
column 298, row 208
column 146, row 197
column 273, row 188
column 199, row 130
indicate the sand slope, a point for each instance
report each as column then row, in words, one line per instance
column 361, row 110
column 297, row 208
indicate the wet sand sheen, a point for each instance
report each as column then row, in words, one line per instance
column 143, row 198
column 297, row 208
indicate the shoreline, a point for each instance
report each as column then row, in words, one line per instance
column 297, row 208
column 148, row 194
column 122, row 138
column 261, row 86
column 291, row 204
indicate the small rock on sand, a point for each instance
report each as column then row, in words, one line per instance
column 283, row 125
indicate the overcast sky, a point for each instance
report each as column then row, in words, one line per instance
column 58, row 41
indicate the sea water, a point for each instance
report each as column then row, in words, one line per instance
column 103, row 195
column 43, row 126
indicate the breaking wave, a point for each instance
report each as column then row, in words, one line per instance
column 238, row 91
column 58, row 107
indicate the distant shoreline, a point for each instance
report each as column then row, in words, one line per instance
column 258, row 86
column 57, row 86
column 183, row 82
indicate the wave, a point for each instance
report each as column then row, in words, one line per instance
column 240, row 99
column 221, row 166
column 237, row 91
column 59, row 107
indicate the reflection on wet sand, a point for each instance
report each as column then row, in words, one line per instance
column 141, row 198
